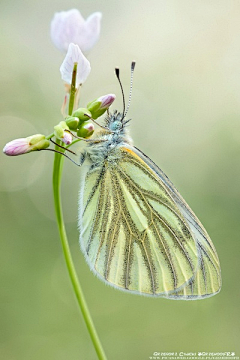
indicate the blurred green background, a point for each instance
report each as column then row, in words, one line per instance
column 186, row 117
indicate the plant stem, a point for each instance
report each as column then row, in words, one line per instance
column 50, row 136
column 57, row 172
column 73, row 90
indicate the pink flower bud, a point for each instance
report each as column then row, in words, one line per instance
column 67, row 138
column 106, row 100
column 17, row 147
column 98, row 106
column 25, row 145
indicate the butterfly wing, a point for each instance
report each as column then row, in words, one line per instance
column 138, row 234
column 207, row 281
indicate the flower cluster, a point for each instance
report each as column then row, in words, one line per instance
column 73, row 35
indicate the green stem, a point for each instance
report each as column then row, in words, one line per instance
column 57, row 172
column 73, row 90
column 72, row 95
column 49, row 136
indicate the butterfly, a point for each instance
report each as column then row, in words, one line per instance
column 136, row 231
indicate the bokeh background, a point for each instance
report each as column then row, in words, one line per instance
column 186, row 117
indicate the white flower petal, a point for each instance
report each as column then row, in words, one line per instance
column 65, row 26
column 70, row 27
column 92, row 32
column 74, row 55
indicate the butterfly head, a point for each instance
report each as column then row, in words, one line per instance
column 116, row 122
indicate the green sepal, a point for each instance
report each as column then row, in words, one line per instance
column 94, row 107
column 43, row 144
column 59, row 129
column 38, row 142
column 72, row 122
column 80, row 114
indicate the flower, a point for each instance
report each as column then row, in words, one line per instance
column 70, row 27
column 73, row 56
column 98, row 106
column 24, row 145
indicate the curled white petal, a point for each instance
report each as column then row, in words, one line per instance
column 74, row 55
column 70, row 27
column 92, row 32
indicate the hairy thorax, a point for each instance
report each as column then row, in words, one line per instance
column 106, row 144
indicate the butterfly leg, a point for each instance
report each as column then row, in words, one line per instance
column 82, row 158
column 61, row 153
column 62, row 147
column 84, row 139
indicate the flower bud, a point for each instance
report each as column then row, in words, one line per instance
column 80, row 114
column 25, row 145
column 100, row 105
column 72, row 122
column 86, row 129
column 61, row 134
column 67, row 138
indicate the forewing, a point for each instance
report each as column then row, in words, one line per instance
column 132, row 232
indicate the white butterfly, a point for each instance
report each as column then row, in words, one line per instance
column 136, row 231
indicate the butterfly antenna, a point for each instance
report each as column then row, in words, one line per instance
column 131, row 87
column 117, row 72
